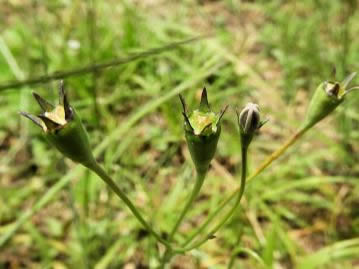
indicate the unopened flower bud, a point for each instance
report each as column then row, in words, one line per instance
column 249, row 118
column 249, row 122
column 327, row 96
column 63, row 128
column 202, row 131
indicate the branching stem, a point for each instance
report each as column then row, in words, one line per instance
column 275, row 155
column 235, row 206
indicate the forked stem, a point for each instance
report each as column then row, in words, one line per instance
column 235, row 206
column 275, row 155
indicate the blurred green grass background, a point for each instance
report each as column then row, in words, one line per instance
column 300, row 213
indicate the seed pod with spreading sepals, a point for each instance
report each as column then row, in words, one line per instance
column 202, row 130
column 326, row 98
column 63, row 128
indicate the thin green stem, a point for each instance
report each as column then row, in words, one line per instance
column 279, row 152
column 96, row 168
column 166, row 257
column 197, row 187
column 275, row 155
column 236, row 204
column 194, row 194
column 247, row 251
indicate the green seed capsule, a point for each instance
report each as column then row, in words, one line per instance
column 202, row 148
column 63, row 129
column 72, row 141
column 202, row 131
column 326, row 98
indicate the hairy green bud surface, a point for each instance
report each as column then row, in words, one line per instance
column 63, row 128
column 202, row 131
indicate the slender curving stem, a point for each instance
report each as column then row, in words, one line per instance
column 233, row 209
column 275, row 155
column 166, row 257
column 197, row 187
column 279, row 152
column 247, row 251
column 96, row 168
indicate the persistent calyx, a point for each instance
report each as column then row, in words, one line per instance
column 202, row 130
column 63, row 128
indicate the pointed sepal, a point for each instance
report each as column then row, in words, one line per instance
column 345, row 83
column 188, row 123
column 204, row 105
column 202, row 131
column 33, row 118
column 263, row 122
column 183, row 102
column 221, row 114
column 45, row 105
column 63, row 101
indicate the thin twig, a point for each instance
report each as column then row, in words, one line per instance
column 96, row 67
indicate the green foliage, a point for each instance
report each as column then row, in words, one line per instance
column 301, row 213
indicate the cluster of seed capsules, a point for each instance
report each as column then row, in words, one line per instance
column 63, row 128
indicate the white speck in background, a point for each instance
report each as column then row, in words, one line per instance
column 73, row 44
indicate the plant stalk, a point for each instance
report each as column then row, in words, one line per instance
column 279, row 152
column 236, row 204
column 197, row 187
column 166, row 257
column 96, row 168
column 275, row 155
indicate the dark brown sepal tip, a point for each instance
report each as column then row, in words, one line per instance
column 68, row 110
column 183, row 102
column 33, row 118
column 222, row 113
column 334, row 91
column 45, row 105
column 204, row 105
column 333, row 73
column 64, row 101
column 187, row 121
